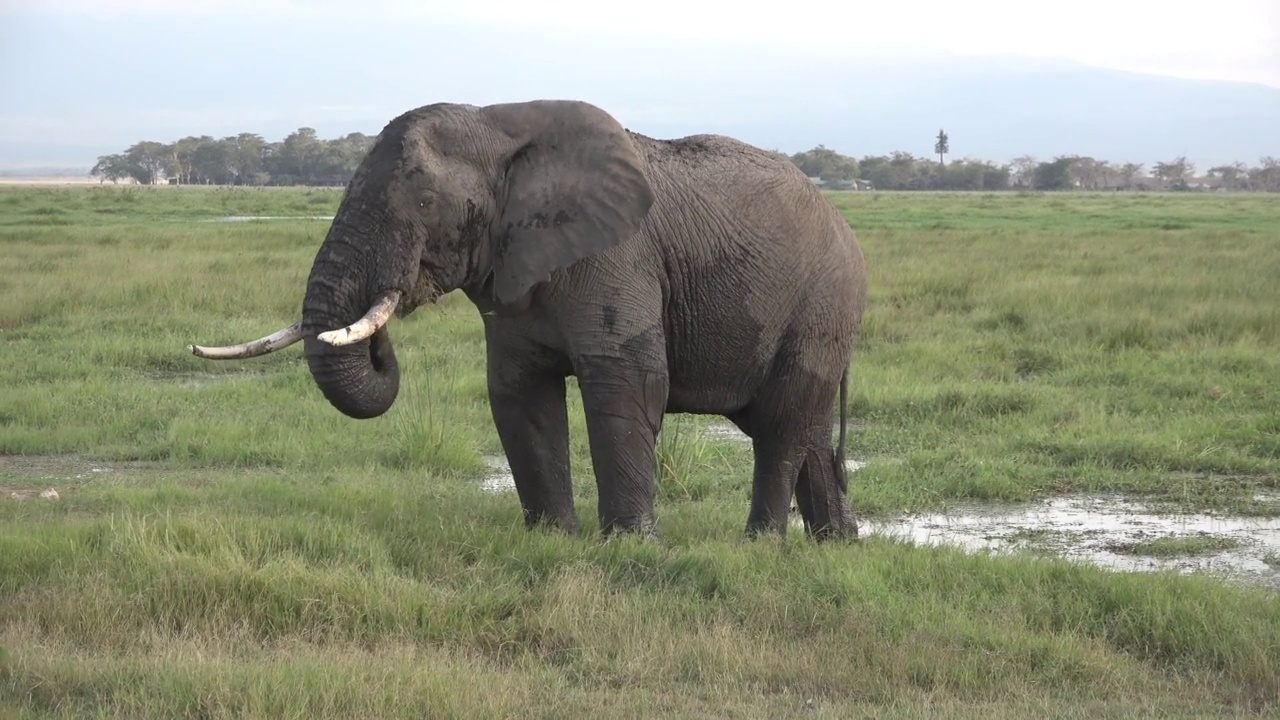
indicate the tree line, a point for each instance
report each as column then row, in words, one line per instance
column 302, row 158
column 904, row 171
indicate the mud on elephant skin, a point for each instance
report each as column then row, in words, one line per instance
column 696, row 275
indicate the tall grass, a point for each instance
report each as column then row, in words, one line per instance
column 227, row 545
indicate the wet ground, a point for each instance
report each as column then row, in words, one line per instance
column 1112, row 531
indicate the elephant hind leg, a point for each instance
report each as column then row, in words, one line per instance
column 790, row 424
column 789, row 429
column 823, row 504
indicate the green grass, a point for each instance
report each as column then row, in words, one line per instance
column 1178, row 545
column 246, row 551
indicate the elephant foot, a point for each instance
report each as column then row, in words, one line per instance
column 843, row 531
column 822, row 503
column 645, row 528
column 757, row 529
column 567, row 525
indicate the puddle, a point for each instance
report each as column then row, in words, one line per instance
column 730, row 432
column 499, row 478
column 1104, row 530
column 725, row 431
column 1110, row 531
column 251, row 218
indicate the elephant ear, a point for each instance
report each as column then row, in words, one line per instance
column 574, row 188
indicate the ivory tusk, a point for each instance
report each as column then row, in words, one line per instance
column 367, row 325
column 261, row 346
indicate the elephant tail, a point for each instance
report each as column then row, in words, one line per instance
column 840, row 469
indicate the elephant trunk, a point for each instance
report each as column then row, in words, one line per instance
column 361, row 379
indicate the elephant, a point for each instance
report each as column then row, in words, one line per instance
column 698, row 275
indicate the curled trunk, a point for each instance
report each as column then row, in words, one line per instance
column 360, row 379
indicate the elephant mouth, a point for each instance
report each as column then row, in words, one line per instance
column 423, row 291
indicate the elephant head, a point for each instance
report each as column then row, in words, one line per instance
column 491, row 199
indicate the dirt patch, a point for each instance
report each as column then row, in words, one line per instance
column 64, row 467
column 22, row 494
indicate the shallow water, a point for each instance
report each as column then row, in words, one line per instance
column 1096, row 529
column 499, row 478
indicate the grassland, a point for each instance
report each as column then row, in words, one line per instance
column 245, row 551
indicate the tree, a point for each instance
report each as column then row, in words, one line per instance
column 1175, row 173
column 962, row 174
column 1054, row 175
column 245, row 158
column 341, row 157
column 942, row 146
column 875, row 168
column 111, row 167
column 827, row 164
column 178, row 165
column 1107, row 174
column 1023, row 168
column 1085, row 173
column 995, row 177
column 1128, row 174
column 299, row 155
column 1267, row 175
column 147, row 160
column 211, row 163
column 903, row 171
column 1233, row 176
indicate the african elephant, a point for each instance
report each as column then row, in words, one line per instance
column 697, row 275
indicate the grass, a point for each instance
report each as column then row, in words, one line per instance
column 242, row 550
column 1178, row 545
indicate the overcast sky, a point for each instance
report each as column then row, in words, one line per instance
column 1216, row 39
column 84, row 77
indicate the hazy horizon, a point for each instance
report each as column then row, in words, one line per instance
column 93, row 77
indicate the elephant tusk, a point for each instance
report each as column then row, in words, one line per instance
column 367, row 325
column 261, row 346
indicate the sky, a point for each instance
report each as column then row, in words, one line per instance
column 1209, row 39
column 83, row 77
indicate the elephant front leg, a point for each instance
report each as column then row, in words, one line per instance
column 624, row 407
column 533, row 426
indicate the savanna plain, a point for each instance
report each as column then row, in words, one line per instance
column 225, row 544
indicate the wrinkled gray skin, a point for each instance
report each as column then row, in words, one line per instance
column 698, row 275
